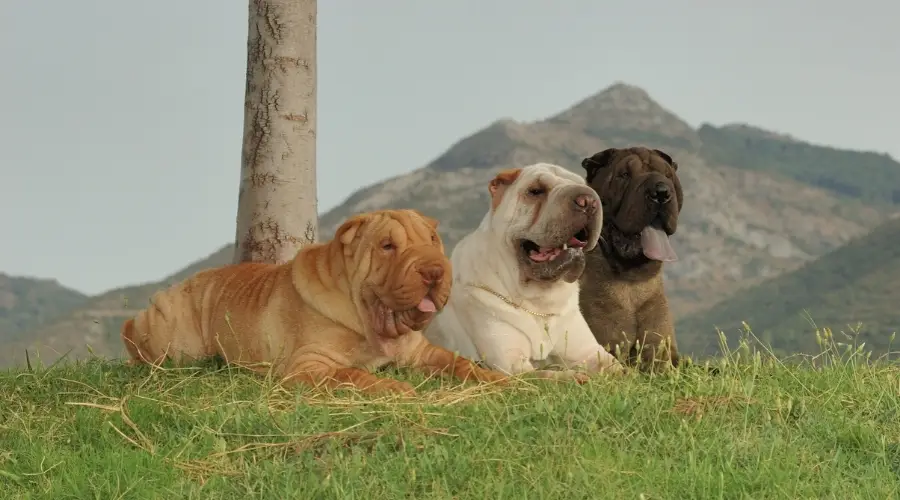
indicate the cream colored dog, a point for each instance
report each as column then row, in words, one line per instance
column 515, row 294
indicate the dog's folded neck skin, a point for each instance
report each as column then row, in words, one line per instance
column 390, row 278
column 332, row 264
column 329, row 266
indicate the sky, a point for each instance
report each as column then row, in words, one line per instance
column 121, row 122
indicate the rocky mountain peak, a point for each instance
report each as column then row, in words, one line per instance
column 623, row 97
column 624, row 107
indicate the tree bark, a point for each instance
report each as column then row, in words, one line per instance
column 277, row 203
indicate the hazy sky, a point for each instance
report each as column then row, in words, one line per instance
column 121, row 120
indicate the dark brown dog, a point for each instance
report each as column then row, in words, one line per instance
column 622, row 294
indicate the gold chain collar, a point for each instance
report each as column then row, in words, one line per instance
column 510, row 302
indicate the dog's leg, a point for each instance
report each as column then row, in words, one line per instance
column 505, row 350
column 320, row 374
column 579, row 347
column 516, row 363
column 656, row 337
column 562, row 375
column 434, row 360
column 608, row 323
column 654, row 352
column 136, row 355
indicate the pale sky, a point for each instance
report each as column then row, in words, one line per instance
column 121, row 120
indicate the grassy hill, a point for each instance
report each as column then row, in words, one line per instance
column 741, row 223
column 28, row 303
column 854, row 289
column 754, row 430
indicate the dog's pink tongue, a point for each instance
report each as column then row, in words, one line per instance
column 426, row 306
column 656, row 245
column 544, row 254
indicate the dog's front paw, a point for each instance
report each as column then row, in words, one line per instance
column 489, row 376
column 563, row 375
column 581, row 377
column 616, row 368
column 394, row 387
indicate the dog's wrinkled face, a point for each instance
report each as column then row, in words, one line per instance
column 549, row 217
column 397, row 268
column 641, row 196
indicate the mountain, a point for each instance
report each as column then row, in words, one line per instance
column 28, row 303
column 867, row 176
column 741, row 223
column 853, row 289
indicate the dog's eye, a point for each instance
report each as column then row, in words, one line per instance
column 387, row 245
column 434, row 238
column 624, row 174
column 536, row 191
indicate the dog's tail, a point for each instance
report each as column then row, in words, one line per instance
column 142, row 332
column 130, row 341
column 167, row 329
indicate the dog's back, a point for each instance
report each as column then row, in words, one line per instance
column 176, row 324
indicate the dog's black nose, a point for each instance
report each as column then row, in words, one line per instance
column 660, row 193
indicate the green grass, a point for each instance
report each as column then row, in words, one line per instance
column 826, row 427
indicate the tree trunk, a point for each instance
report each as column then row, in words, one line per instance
column 277, row 211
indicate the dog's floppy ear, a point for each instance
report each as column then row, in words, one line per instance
column 499, row 184
column 666, row 157
column 596, row 162
column 347, row 232
column 431, row 221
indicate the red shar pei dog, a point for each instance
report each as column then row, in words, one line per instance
column 336, row 311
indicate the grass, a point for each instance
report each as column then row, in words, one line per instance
column 757, row 427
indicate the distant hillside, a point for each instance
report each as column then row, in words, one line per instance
column 739, row 226
column 871, row 177
column 853, row 289
column 27, row 303
column 97, row 321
